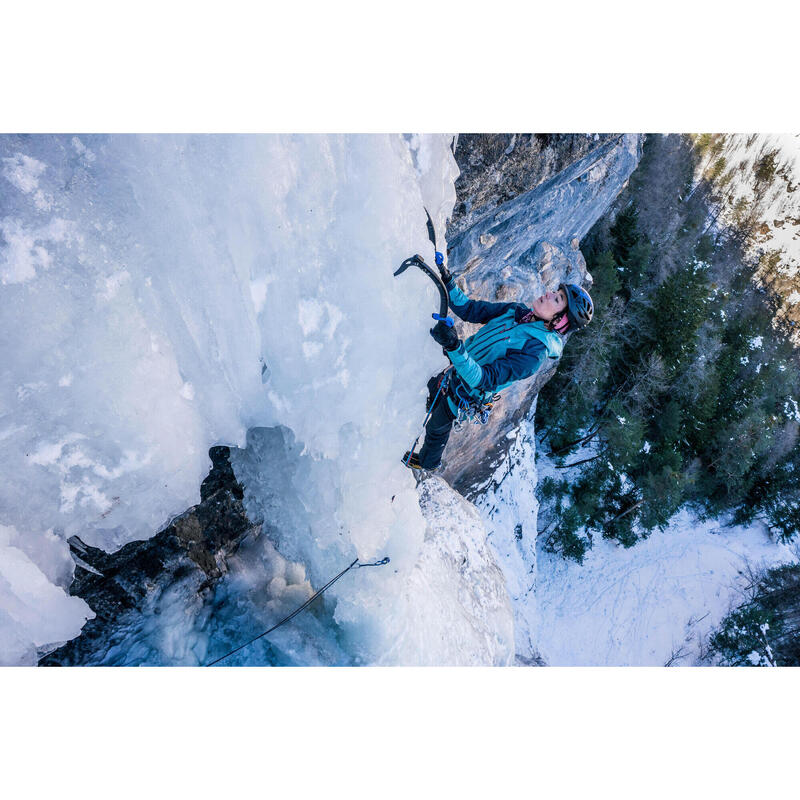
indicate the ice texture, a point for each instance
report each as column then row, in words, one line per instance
column 34, row 610
column 162, row 294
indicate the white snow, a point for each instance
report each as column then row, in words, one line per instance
column 454, row 607
column 23, row 172
column 779, row 200
column 509, row 509
column 641, row 606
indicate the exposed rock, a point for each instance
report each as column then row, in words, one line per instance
column 559, row 210
column 497, row 167
column 193, row 548
column 535, row 246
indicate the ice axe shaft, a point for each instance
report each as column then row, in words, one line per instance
column 418, row 261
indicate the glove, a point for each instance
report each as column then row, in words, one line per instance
column 443, row 271
column 446, row 337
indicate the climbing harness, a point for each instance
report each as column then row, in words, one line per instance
column 470, row 409
column 305, row 605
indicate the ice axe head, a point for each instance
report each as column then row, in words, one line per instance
column 413, row 261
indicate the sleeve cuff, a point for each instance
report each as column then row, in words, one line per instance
column 465, row 366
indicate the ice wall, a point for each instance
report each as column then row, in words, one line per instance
column 162, row 294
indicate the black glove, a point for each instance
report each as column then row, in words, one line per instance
column 443, row 271
column 446, row 337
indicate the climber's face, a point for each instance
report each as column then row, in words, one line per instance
column 548, row 305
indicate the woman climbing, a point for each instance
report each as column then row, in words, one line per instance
column 513, row 344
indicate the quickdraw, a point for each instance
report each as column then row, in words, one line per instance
column 470, row 409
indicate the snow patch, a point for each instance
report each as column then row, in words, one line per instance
column 258, row 291
column 24, row 252
column 454, row 604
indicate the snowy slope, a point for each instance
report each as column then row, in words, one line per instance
column 659, row 599
column 642, row 606
column 454, row 607
column 509, row 509
column 778, row 200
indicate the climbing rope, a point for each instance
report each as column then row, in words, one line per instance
column 305, row 605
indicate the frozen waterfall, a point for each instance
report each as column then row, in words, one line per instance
column 162, row 294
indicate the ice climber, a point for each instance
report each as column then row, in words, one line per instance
column 513, row 344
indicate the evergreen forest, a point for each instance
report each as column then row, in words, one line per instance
column 685, row 387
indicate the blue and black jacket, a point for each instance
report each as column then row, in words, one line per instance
column 503, row 351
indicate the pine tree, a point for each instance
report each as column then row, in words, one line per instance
column 686, row 352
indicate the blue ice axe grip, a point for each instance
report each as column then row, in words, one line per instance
column 449, row 321
column 439, row 258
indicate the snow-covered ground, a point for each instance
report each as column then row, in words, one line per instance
column 651, row 603
column 647, row 605
column 779, row 200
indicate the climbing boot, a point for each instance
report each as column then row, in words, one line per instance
column 411, row 460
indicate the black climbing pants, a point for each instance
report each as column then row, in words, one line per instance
column 437, row 431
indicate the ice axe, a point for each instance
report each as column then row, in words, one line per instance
column 419, row 261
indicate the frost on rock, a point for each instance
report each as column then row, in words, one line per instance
column 509, row 508
column 456, row 593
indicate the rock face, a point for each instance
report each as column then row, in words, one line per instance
column 518, row 251
column 117, row 586
column 497, row 167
